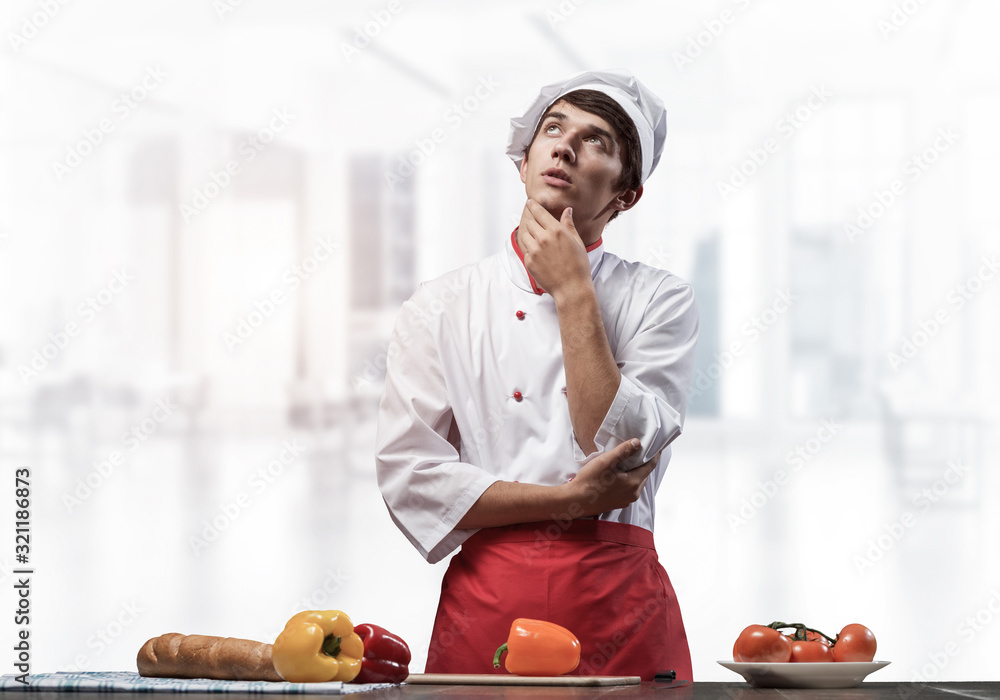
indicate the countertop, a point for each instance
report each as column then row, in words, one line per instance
column 696, row 691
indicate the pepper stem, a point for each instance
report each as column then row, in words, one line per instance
column 331, row 645
column 496, row 657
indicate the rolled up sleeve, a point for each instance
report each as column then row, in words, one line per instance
column 656, row 366
column 424, row 483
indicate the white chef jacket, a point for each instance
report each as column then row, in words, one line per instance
column 475, row 388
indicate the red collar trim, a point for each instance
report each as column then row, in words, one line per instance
column 520, row 255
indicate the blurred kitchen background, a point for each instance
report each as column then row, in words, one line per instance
column 210, row 213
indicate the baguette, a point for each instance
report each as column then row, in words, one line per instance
column 200, row 656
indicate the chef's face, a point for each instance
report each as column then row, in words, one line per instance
column 575, row 161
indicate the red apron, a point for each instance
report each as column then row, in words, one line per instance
column 601, row 580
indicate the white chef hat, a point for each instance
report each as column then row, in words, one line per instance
column 644, row 108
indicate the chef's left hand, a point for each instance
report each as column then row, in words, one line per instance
column 554, row 253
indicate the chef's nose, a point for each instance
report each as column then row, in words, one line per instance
column 563, row 148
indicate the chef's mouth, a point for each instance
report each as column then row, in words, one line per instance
column 557, row 174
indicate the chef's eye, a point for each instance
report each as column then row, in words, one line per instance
column 550, row 127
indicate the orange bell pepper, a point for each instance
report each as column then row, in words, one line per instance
column 539, row 648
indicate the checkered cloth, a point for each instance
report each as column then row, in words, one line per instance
column 134, row 683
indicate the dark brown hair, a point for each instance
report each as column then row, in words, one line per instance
column 606, row 108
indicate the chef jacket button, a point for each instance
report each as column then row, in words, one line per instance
column 517, row 396
column 520, row 314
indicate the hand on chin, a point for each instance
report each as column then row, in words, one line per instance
column 553, row 202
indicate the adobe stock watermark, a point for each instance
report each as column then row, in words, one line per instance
column 901, row 13
column 453, row 117
column 224, row 7
column 258, row 482
column 291, row 279
column 563, row 11
column 102, row 470
column 248, row 150
column 701, row 41
column 957, row 297
column 31, row 25
column 450, row 634
column 796, row 459
column 487, row 434
column 968, row 629
column 561, row 522
column 121, row 109
column 606, row 649
column 894, row 531
column 87, row 312
column 913, row 169
column 658, row 257
column 786, row 125
column 105, row 636
column 655, row 260
column 364, row 35
column 5, row 568
column 415, row 316
column 322, row 597
column 753, row 329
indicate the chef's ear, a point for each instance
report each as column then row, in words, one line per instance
column 628, row 199
column 524, row 168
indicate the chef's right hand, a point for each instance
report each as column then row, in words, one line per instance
column 600, row 486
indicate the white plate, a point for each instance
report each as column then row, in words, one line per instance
column 829, row 674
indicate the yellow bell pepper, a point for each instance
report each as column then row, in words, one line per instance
column 317, row 646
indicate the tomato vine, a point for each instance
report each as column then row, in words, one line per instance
column 800, row 631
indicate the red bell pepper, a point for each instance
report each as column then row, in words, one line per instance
column 386, row 659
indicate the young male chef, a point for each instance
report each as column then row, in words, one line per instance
column 531, row 398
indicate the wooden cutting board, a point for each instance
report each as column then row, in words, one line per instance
column 507, row 679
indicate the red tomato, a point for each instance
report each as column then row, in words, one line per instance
column 811, row 651
column 816, row 637
column 854, row 643
column 760, row 644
